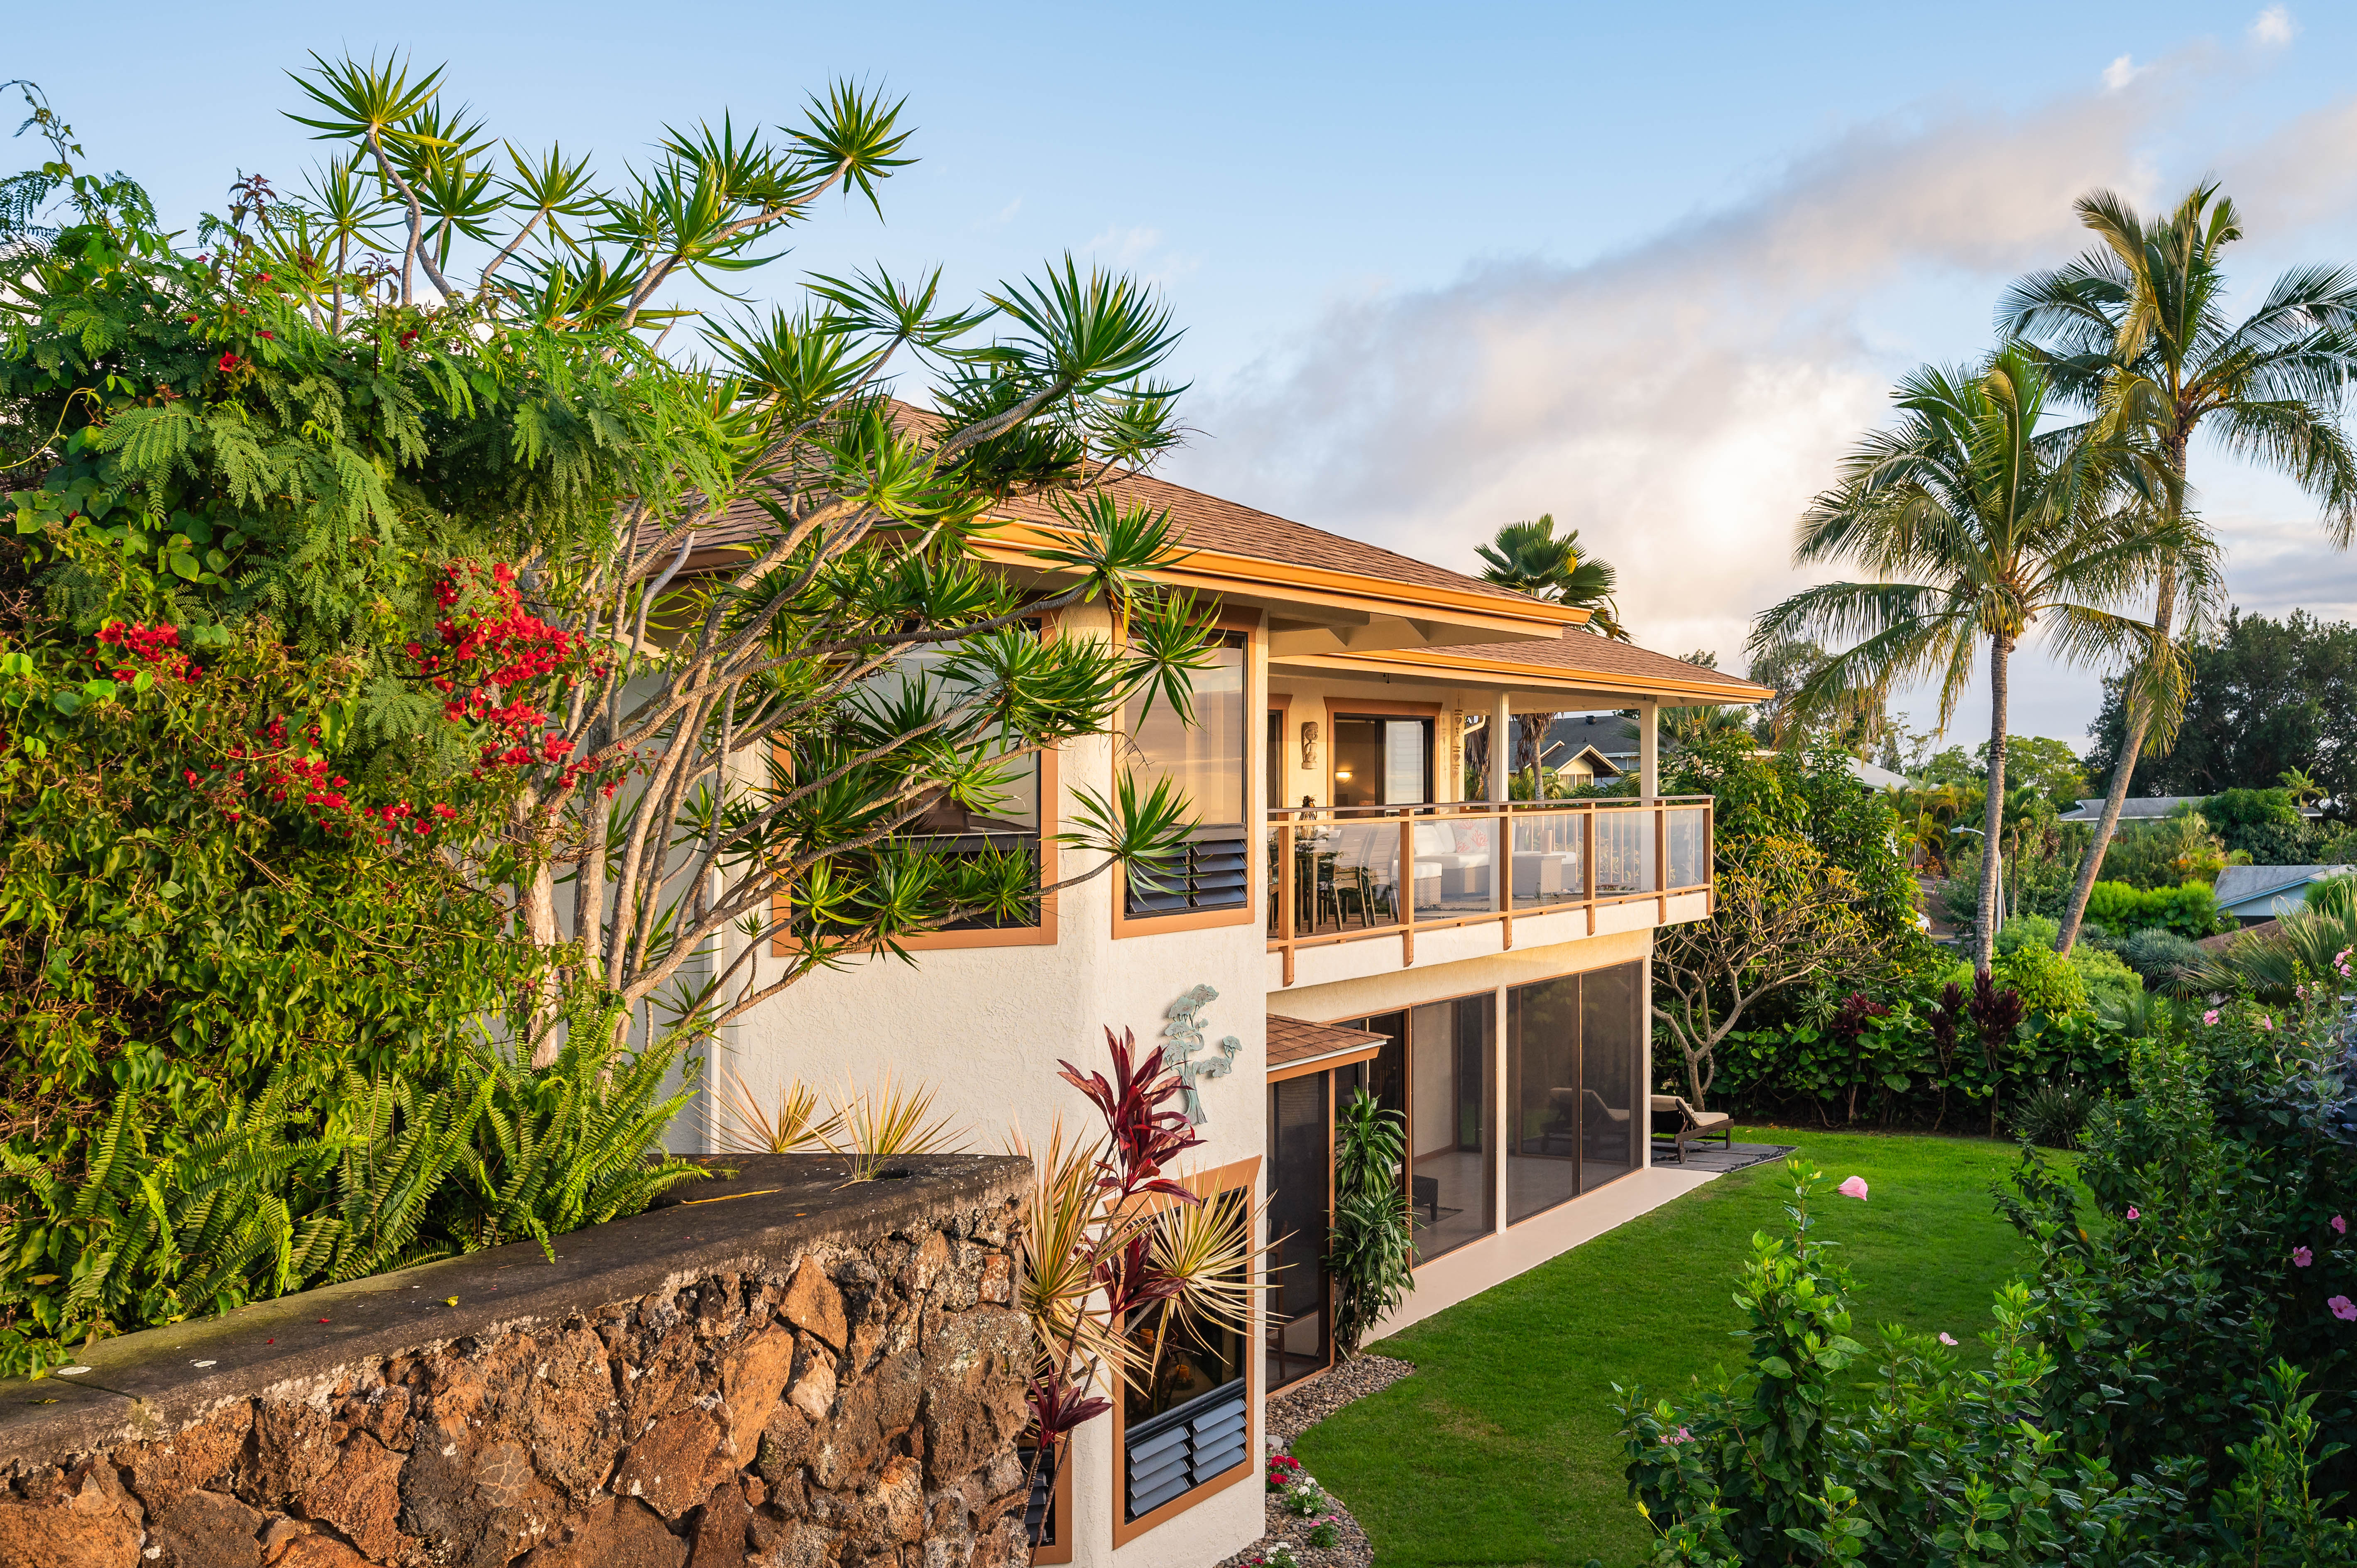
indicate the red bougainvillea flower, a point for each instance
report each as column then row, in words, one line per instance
column 229, row 362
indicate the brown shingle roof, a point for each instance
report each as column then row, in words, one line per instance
column 1207, row 522
column 1292, row 1041
column 1204, row 522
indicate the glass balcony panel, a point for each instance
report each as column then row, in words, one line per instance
column 1346, row 876
column 1624, row 852
column 1456, row 866
column 1549, row 847
column 1689, row 845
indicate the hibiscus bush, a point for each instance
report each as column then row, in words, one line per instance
column 2161, row 1387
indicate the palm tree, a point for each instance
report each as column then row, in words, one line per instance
column 2136, row 331
column 1977, row 525
column 1528, row 558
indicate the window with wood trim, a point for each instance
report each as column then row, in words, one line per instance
column 1206, row 761
column 1012, row 819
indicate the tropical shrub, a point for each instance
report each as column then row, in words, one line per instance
column 1371, row 1249
column 2157, row 954
column 2180, row 848
column 1935, row 1463
column 2111, row 984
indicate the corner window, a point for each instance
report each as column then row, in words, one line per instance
column 1206, row 762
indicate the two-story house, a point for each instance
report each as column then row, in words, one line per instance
column 1481, row 968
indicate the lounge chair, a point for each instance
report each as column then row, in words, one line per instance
column 1681, row 1124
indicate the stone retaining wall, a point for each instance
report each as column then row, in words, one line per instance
column 790, row 1371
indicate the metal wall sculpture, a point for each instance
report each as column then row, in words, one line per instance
column 1185, row 1033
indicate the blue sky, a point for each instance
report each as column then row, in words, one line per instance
column 1649, row 268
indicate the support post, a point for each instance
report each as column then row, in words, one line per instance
column 1648, row 749
column 1501, row 745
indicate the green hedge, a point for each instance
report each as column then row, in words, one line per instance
column 2190, row 910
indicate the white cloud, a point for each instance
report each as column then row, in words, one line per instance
column 2121, row 71
column 1679, row 402
column 1005, row 214
column 2273, row 28
column 1139, row 249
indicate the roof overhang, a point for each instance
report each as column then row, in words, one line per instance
column 1315, row 609
column 1440, row 668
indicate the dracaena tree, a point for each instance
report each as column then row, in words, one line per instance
column 698, row 604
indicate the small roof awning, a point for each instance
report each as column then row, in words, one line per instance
column 1296, row 1048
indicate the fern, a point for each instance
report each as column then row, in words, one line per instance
column 574, row 1143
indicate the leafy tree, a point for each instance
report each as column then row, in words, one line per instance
column 1811, row 890
column 2043, row 764
column 1981, row 526
column 2268, row 697
column 2264, row 825
column 1858, row 719
column 2136, row 331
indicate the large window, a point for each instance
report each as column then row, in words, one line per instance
column 1574, row 1049
column 1381, row 762
column 1451, row 1182
column 1300, row 1166
column 1205, row 761
column 1435, row 1073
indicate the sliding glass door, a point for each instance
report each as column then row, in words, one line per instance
column 1573, row 1050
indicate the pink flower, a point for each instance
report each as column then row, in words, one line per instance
column 2301, row 1257
column 2340, row 1226
column 2210, row 1016
column 2133, row 1214
column 2343, row 1308
column 2266, row 1022
column 1854, row 1187
column 1946, row 1338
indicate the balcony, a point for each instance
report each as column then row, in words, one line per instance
column 1334, row 874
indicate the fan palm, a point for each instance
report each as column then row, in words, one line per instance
column 2136, row 331
column 1528, row 558
column 1977, row 525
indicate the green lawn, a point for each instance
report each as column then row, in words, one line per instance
column 1502, row 1449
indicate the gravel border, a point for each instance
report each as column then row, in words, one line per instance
column 1289, row 1415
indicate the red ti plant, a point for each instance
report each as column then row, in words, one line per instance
column 1118, row 1246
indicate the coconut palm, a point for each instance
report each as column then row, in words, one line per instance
column 1528, row 558
column 2136, row 331
column 1978, row 526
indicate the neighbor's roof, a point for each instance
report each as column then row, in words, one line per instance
column 1577, row 659
column 2136, row 808
column 2241, row 884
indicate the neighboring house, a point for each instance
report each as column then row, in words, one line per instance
column 1875, row 777
column 2255, row 893
column 2151, row 808
column 1483, row 969
column 1588, row 747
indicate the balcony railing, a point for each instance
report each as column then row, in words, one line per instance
column 1335, row 873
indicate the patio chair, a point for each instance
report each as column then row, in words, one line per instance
column 1424, row 1192
column 1681, row 1124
